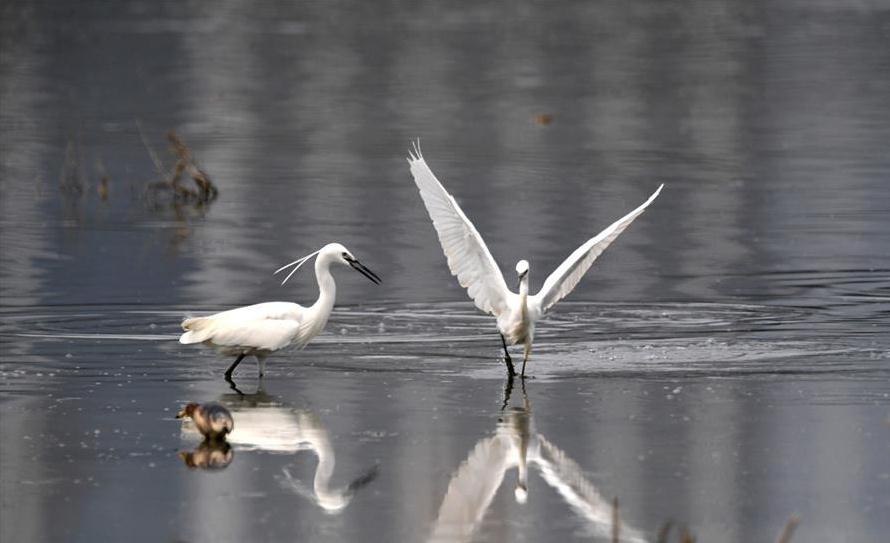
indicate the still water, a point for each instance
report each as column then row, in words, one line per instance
column 724, row 365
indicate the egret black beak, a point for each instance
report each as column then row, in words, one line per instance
column 359, row 267
column 519, row 281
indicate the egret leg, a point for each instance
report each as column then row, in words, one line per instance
column 261, row 362
column 507, row 359
column 528, row 350
column 234, row 365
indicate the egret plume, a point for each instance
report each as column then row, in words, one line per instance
column 298, row 262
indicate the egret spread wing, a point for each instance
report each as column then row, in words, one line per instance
column 566, row 276
column 468, row 256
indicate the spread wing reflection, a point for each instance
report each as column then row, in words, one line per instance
column 517, row 444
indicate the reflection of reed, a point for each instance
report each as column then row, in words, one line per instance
column 517, row 444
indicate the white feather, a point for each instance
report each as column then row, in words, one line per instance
column 470, row 260
column 516, row 444
column 563, row 280
column 260, row 329
column 468, row 257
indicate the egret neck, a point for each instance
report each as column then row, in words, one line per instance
column 527, row 325
column 523, row 296
column 327, row 292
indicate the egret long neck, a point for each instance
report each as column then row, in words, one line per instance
column 327, row 289
column 523, row 297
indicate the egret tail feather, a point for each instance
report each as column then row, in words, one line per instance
column 194, row 327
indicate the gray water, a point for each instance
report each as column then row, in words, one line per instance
column 723, row 366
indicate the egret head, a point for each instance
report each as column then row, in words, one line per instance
column 345, row 257
column 522, row 271
column 332, row 252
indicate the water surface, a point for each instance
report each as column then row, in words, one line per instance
column 724, row 365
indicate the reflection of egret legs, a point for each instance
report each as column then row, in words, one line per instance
column 232, row 384
column 259, row 395
column 260, row 387
column 508, row 388
column 516, row 444
column 507, row 359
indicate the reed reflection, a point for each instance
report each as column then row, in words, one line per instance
column 264, row 424
column 517, row 444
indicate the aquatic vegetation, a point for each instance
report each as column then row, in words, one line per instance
column 171, row 189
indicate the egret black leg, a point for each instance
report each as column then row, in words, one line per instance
column 261, row 364
column 234, row 365
column 506, row 352
column 528, row 350
column 507, row 359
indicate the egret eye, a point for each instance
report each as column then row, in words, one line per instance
column 345, row 256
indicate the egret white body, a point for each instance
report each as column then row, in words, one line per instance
column 471, row 262
column 261, row 329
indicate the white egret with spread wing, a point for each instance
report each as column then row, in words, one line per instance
column 261, row 329
column 471, row 262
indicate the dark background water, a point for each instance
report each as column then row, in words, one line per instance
column 724, row 364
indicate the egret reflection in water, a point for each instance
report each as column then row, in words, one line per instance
column 264, row 424
column 516, row 444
